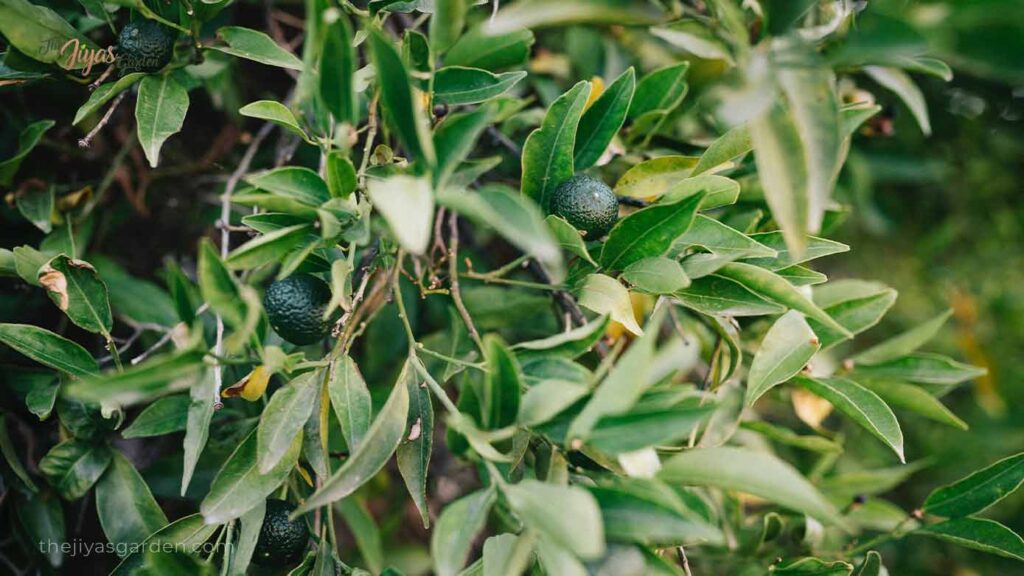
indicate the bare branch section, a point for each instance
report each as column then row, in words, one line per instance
column 566, row 302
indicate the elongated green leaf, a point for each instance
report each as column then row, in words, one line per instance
column 104, row 93
column 37, row 207
column 40, row 33
column 772, row 287
column 49, row 349
column 274, row 112
column 605, row 295
column 785, row 350
column 557, row 560
column 655, row 177
column 413, row 454
column 649, row 232
column 165, row 416
column 202, row 400
column 545, row 400
column 637, row 430
column 862, row 405
column 923, row 368
column 341, row 175
column 459, row 85
column 568, row 237
column 126, row 508
column 623, row 386
column 603, row 119
column 784, row 257
column 539, row 13
column 43, row 520
column 351, row 401
column 407, row 204
column 568, row 344
column 455, row 138
column 812, row 567
column 447, row 22
column 727, row 147
column 373, row 453
column 400, row 106
column 567, row 515
column 660, row 90
column 218, row 286
column 456, row 529
column 721, row 240
column 337, row 71
column 649, row 513
column 656, row 275
column 978, row 534
column 718, row 190
column 904, row 343
column 12, row 459
column 499, row 395
column 239, row 485
column 856, row 314
column 548, row 151
column 287, row 411
column 159, row 112
column 695, row 38
column 779, row 155
column 490, row 52
column 295, row 182
column 268, row 248
column 182, row 533
column 872, row 565
column 76, row 288
column 73, row 466
column 914, row 399
column 788, row 437
column 903, row 86
column 256, row 46
column 979, row 490
column 718, row 296
column 756, row 473
column 161, row 375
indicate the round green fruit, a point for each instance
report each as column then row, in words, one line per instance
column 295, row 307
column 281, row 541
column 586, row 203
column 144, row 46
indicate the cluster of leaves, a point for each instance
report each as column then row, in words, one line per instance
column 675, row 403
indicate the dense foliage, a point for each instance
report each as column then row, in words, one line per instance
column 401, row 305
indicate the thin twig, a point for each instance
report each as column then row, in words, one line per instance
column 566, row 302
column 681, row 552
column 371, row 134
column 453, row 273
column 85, row 142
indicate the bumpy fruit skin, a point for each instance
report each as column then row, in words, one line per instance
column 144, row 46
column 295, row 308
column 586, row 203
column 281, row 543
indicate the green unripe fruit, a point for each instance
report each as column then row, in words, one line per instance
column 586, row 203
column 295, row 307
column 144, row 46
column 281, row 541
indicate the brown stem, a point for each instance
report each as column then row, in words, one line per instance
column 453, row 273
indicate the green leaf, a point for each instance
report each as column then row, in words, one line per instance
column 256, row 46
column 161, row 375
column 165, row 416
column 779, row 155
column 491, row 52
column 718, row 190
column 654, row 177
column 337, row 71
column 568, row 344
column 903, row 344
column 413, row 454
column 39, row 33
column 923, row 368
column 239, row 485
column 548, row 151
column 784, row 258
column 557, row 560
column 660, row 90
column 401, row 108
column 872, row 565
column 656, row 275
column 248, row 535
column 283, row 417
column 181, row 534
column 727, row 147
column 133, row 298
column 650, row 513
column 455, row 137
column 721, row 240
column 695, row 38
column 456, row 530
column 373, row 453
column 516, row 218
column 351, row 401
column 540, row 13
column 202, row 401
column 568, row 237
column 812, row 567
column 268, row 248
column 447, row 22
column 42, row 517
column 637, row 430
column 856, row 313
column 499, row 395
column 802, row 276
column 275, row 112
column 567, row 515
column 914, row 399
column 979, row 490
column 756, row 473
column 903, row 86
column 36, row 205
column 786, row 349
column 76, row 288
column 978, row 534
column 126, row 508
column 73, row 466
column 649, row 232
column 772, row 287
column 786, row 436
column 718, row 296
column 341, row 175
column 454, row 85
column 295, row 182
column 27, row 262
column 605, row 295
column 545, row 400
column 862, row 405
column 365, row 531
column 603, row 119
column 159, row 112
column 49, row 349
column 407, row 204
column 623, row 386
column 11, row 457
